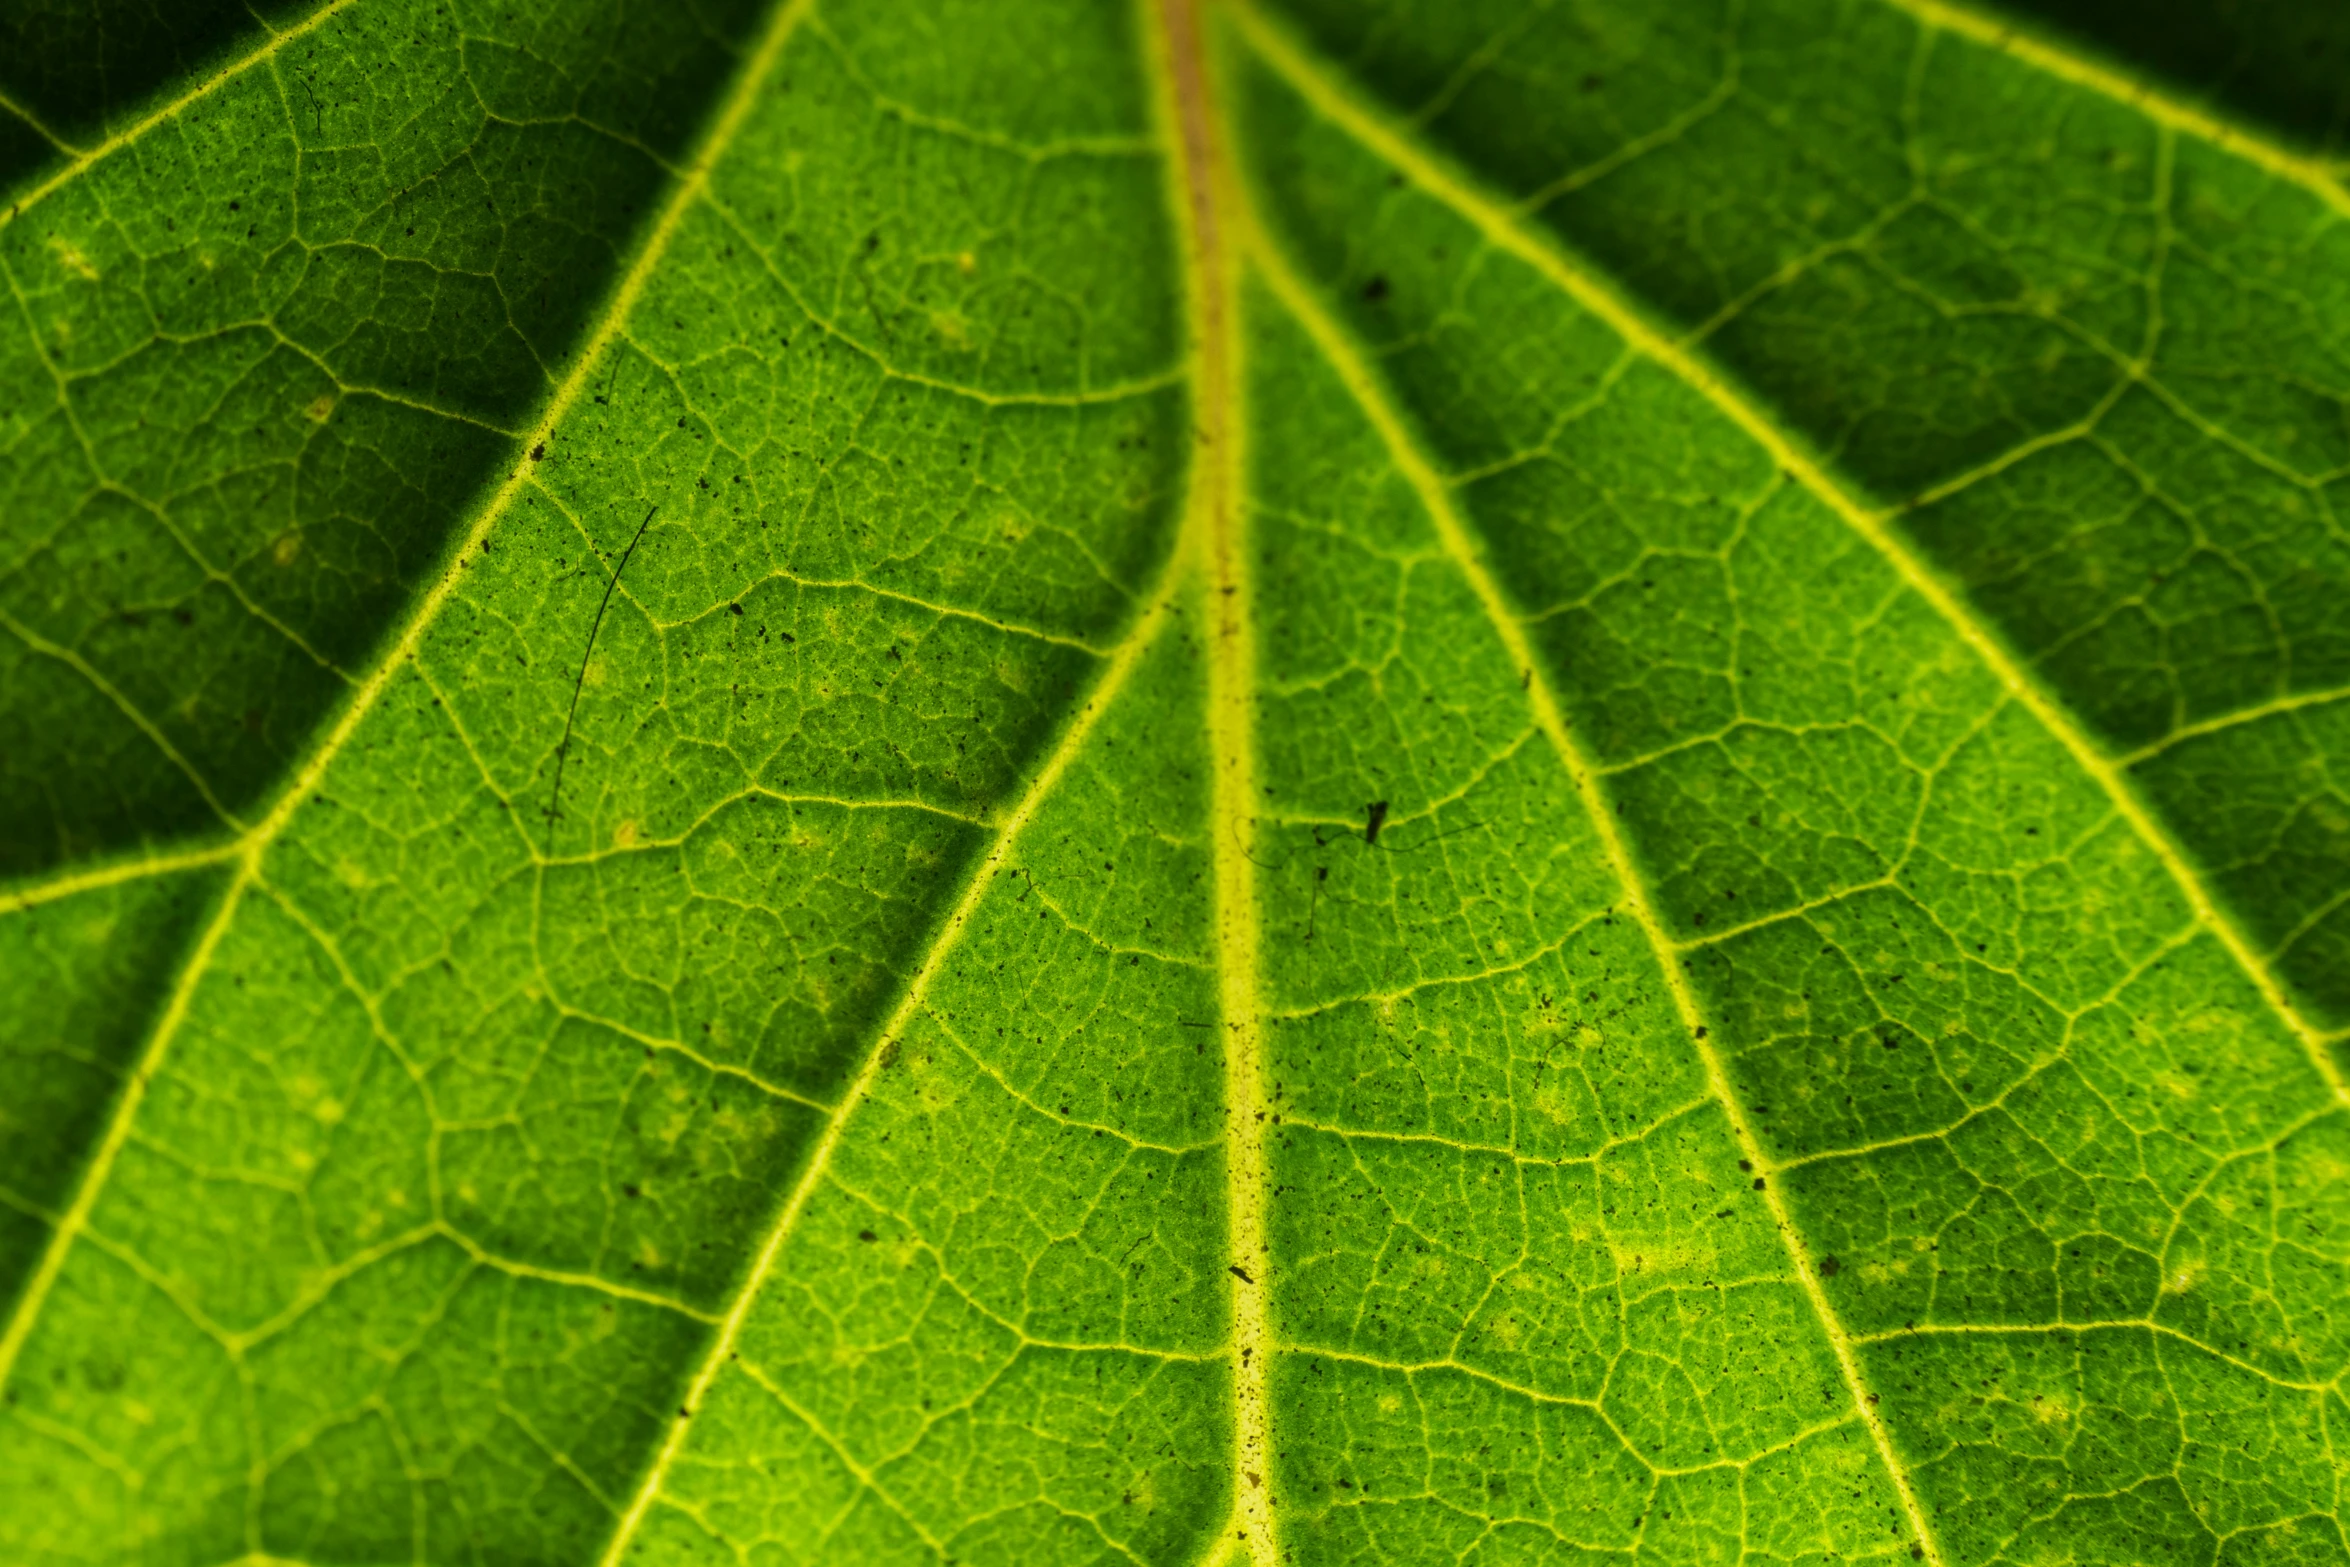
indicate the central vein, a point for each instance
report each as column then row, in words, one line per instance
column 1215, row 529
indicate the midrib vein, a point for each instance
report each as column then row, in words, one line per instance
column 2102, row 79
column 1507, row 233
column 1204, row 201
column 82, row 163
column 248, row 848
column 1436, row 499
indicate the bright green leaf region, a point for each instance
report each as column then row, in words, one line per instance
column 1207, row 782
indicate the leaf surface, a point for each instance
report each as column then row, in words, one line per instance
column 918, row 781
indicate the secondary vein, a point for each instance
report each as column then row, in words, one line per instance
column 1507, row 233
column 1436, row 499
column 253, row 844
column 83, row 162
column 1113, row 678
column 2081, row 71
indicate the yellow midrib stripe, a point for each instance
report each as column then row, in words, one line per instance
column 83, row 162
column 1202, row 193
column 1436, row 500
column 2083, row 71
column 251, row 845
column 1492, row 220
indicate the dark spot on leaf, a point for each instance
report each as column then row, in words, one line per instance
column 1375, row 290
column 1830, row 1267
column 867, row 1235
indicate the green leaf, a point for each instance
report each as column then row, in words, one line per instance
column 919, row 780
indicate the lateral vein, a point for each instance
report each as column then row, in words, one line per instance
column 1114, row 676
column 1506, row 233
column 2082, row 71
column 83, row 162
column 251, row 845
column 1435, row 497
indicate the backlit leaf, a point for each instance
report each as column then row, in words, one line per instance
column 1036, row 781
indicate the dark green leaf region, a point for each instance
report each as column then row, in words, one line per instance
column 1174, row 783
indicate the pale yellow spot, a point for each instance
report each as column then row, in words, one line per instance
column 286, row 549
column 950, row 325
column 351, row 874
column 595, row 672
column 2048, row 1411
column 1011, row 524
column 1389, row 1403
column 648, row 1254
column 137, row 1413
column 319, row 407
column 72, row 259
column 968, row 262
column 2183, row 1278
column 302, row 1161
column 624, row 835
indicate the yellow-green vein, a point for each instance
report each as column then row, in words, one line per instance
column 1203, row 197
column 83, row 162
column 1118, row 669
column 250, row 846
column 2081, row 71
column 1494, row 221
column 1436, row 498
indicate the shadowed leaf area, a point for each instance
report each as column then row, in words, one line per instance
column 1313, row 781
